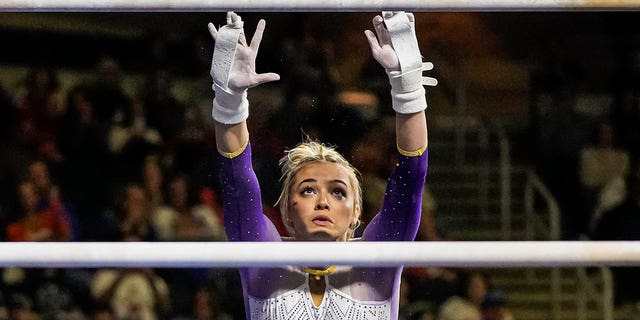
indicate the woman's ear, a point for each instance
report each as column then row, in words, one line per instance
column 355, row 220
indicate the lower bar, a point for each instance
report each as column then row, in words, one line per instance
column 252, row 254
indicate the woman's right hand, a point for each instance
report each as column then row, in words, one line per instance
column 233, row 70
column 242, row 74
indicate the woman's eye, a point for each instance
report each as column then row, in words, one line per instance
column 307, row 191
column 339, row 192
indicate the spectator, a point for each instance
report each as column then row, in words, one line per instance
column 40, row 101
column 50, row 196
column 163, row 111
column 594, row 172
column 135, row 216
column 458, row 309
column 622, row 222
column 36, row 223
column 135, row 294
column 413, row 309
column 184, row 220
column 465, row 305
column 494, row 307
column 83, row 144
column 129, row 219
column 106, row 93
column 132, row 140
column 602, row 168
column 153, row 182
column 434, row 285
column 39, row 110
column 53, row 295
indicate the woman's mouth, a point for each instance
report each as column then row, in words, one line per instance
column 322, row 221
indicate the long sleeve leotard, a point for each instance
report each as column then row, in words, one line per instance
column 352, row 293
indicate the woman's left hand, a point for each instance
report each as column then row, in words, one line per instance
column 381, row 46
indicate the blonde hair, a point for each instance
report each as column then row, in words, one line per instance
column 313, row 152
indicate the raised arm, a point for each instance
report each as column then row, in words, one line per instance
column 395, row 47
column 404, row 67
column 233, row 72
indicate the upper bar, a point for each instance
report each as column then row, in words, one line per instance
column 265, row 254
column 315, row 5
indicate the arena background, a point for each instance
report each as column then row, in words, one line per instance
column 547, row 80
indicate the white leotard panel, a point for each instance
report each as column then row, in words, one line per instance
column 298, row 304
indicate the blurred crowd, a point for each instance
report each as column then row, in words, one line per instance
column 96, row 164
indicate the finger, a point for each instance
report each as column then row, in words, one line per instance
column 381, row 31
column 428, row 81
column 412, row 20
column 265, row 77
column 212, row 30
column 235, row 18
column 257, row 36
column 373, row 41
column 232, row 17
column 377, row 20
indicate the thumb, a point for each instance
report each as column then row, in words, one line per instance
column 265, row 77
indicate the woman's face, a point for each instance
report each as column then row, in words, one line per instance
column 322, row 203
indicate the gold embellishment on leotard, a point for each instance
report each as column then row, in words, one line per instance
column 317, row 273
column 234, row 154
column 416, row 153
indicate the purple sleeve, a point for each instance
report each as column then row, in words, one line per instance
column 399, row 218
column 242, row 203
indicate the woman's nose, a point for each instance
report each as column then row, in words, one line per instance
column 322, row 203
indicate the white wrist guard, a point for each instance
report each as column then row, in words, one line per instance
column 229, row 107
column 407, row 91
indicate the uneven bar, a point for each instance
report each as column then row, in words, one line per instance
column 247, row 254
column 315, row 5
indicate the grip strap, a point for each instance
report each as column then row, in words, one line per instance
column 225, row 50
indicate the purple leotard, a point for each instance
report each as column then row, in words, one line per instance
column 352, row 292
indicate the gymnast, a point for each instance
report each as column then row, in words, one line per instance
column 321, row 195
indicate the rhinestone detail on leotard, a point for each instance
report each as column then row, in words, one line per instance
column 297, row 305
